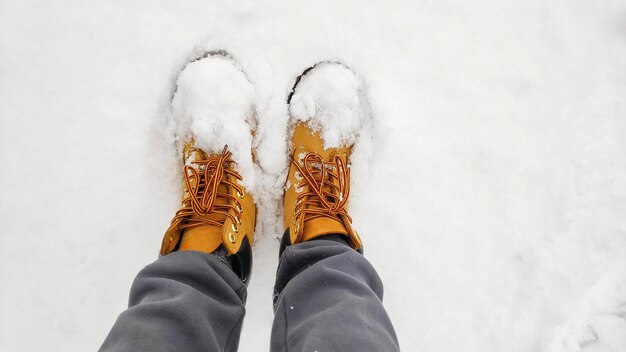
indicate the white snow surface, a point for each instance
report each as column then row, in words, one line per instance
column 493, row 200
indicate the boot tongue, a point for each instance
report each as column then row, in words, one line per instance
column 307, row 140
column 205, row 238
column 324, row 225
column 202, row 238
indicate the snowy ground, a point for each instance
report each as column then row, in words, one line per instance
column 496, row 196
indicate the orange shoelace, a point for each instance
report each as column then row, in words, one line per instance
column 202, row 180
column 329, row 188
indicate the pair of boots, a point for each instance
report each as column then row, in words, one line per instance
column 218, row 214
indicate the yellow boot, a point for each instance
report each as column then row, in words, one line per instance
column 317, row 187
column 216, row 210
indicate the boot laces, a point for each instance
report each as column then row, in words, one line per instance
column 328, row 188
column 202, row 181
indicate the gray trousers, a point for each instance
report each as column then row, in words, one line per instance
column 327, row 298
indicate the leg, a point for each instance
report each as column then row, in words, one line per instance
column 329, row 298
column 185, row 301
column 192, row 298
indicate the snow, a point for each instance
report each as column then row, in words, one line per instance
column 492, row 201
column 329, row 98
column 598, row 324
column 213, row 104
column 332, row 99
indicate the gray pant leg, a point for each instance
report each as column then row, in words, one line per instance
column 330, row 299
column 185, row 301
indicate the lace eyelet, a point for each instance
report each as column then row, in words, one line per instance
column 235, row 228
column 232, row 237
column 239, row 208
column 238, row 221
column 241, row 194
column 298, row 176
